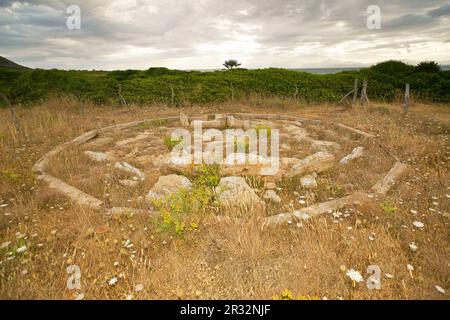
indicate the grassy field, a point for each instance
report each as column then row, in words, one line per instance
column 226, row 258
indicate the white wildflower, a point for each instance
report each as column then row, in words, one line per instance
column 410, row 267
column 139, row 287
column 21, row 249
column 112, row 281
column 413, row 247
column 418, row 224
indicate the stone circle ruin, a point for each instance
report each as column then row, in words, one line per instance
column 333, row 165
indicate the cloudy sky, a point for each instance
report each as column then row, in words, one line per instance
column 201, row 34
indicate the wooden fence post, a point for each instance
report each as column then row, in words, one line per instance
column 296, row 92
column 123, row 102
column 355, row 91
column 172, row 91
column 406, row 99
column 364, row 98
column 232, row 91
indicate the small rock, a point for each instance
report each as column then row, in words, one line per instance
column 308, row 182
column 272, row 196
column 98, row 156
column 79, row 296
column 168, row 185
column 440, row 289
column 126, row 167
column 356, row 153
column 128, row 183
column 234, row 192
column 139, row 287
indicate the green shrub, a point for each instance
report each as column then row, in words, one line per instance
column 155, row 84
column 171, row 143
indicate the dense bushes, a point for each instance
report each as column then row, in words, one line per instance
column 386, row 79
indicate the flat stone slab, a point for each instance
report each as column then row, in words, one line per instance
column 98, row 156
column 72, row 193
column 314, row 210
column 234, row 192
column 355, row 154
column 167, row 186
column 308, row 182
column 126, row 167
column 384, row 185
column 318, row 162
column 272, row 196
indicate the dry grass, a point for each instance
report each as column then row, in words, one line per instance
column 227, row 258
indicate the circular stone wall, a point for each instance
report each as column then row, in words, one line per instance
column 125, row 168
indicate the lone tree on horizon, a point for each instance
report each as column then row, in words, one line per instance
column 231, row 64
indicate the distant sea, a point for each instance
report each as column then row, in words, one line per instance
column 327, row 70
column 324, row 70
column 336, row 70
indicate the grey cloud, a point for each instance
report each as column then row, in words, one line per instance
column 192, row 34
column 440, row 12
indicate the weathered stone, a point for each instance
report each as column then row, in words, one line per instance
column 234, row 192
column 98, row 156
column 388, row 181
column 128, row 183
column 318, row 162
column 296, row 132
column 308, row 182
column 126, row 167
column 73, row 193
column 356, row 153
column 317, row 209
column 215, row 124
column 271, row 196
column 168, row 185
column 324, row 145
